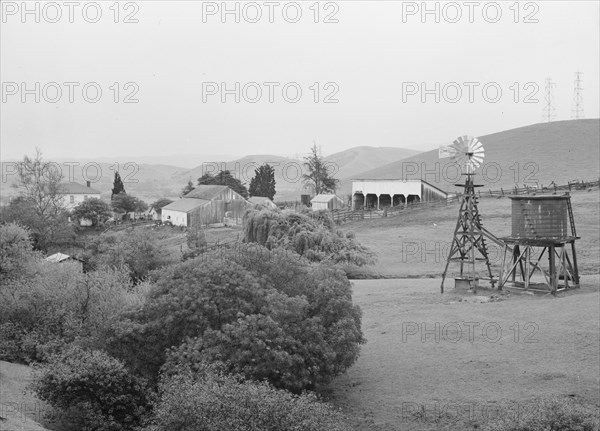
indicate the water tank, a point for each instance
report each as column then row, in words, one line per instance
column 540, row 217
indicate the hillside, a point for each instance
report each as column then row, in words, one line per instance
column 288, row 171
column 560, row 151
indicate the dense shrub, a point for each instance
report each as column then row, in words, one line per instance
column 92, row 390
column 292, row 323
column 554, row 414
column 17, row 257
column 311, row 236
column 56, row 304
column 138, row 250
column 217, row 402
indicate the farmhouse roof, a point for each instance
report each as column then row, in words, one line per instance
column 58, row 257
column 207, row 192
column 185, row 204
column 72, row 188
column 324, row 198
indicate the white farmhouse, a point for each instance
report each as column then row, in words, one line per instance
column 75, row 193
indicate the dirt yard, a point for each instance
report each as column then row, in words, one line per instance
column 450, row 361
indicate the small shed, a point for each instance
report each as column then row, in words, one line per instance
column 326, row 202
column 61, row 258
column 262, row 201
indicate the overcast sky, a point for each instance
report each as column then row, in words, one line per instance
column 374, row 61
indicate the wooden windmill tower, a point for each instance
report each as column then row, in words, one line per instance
column 468, row 241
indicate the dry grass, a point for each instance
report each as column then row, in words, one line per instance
column 416, row 244
column 397, row 384
column 19, row 409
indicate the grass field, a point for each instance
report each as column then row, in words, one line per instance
column 415, row 244
column 405, row 379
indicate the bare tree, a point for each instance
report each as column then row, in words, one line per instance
column 318, row 177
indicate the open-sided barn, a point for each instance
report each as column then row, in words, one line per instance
column 205, row 205
column 390, row 193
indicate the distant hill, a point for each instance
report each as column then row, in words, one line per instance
column 560, row 151
column 288, row 171
column 359, row 159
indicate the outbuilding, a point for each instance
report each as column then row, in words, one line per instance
column 262, row 201
column 326, row 202
column 379, row 194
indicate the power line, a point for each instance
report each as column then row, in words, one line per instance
column 549, row 111
column 577, row 110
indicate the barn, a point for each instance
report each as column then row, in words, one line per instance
column 326, row 202
column 205, row 205
column 262, row 201
column 379, row 194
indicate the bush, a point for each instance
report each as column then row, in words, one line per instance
column 217, row 402
column 285, row 320
column 312, row 236
column 59, row 304
column 92, row 390
column 138, row 250
column 17, row 257
column 553, row 414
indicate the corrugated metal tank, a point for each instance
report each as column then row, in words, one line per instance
column 539, row 217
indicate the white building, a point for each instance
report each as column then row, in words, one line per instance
column 326, row 202
column 378, row 194
column 75, row 193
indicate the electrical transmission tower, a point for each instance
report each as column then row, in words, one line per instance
column 549, row 112
column 577, row 111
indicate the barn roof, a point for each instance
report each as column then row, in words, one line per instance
column 206, row 192
column 324, row 198
column 72, row 188
column 185, row 204
column 258, row 199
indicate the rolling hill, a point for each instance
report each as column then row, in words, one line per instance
column 153, row 181
column 560, row 151
column 288, row 171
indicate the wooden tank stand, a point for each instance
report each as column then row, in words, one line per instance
column 560, row 274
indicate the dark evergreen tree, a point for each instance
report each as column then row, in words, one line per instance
column 318, row 177
column 224, row 178
column 118, row 186
column 263, row 183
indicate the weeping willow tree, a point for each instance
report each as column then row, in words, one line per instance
column 311, row 236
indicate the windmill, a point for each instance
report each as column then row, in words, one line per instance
column 468, row 242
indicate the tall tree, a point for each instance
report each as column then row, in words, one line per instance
column 224, row 178
column 263, row 183
column 118, row 186
column 40, row 205
column 318, row 177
